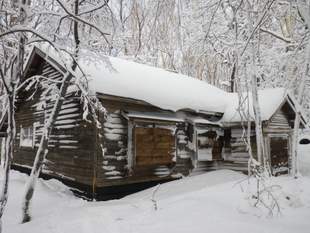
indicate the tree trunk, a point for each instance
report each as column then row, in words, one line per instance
column 43, row 146
column 15, row 76
column 261, row 155
column 8, row 156
column 298, row 107
column 304, row 11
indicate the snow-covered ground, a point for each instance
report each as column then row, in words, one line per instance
column 216, row 202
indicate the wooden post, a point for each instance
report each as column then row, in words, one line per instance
column 130, row 155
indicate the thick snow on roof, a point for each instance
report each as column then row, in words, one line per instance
column 158, row 87
column 269, row 101
column 164, row 89
column 173, row 91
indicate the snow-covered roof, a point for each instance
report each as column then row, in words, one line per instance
column 269, row 101
column 168, row 90
column 161, row 88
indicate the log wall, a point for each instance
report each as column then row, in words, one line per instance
column 117, row 146
column 278, row 136
column 71, row 145
column 235, row 152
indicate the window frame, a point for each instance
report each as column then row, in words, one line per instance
column 31, row 135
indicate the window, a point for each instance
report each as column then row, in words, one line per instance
column 205, row 140
column 154, row 146
column 209, row 145
column 26, row 136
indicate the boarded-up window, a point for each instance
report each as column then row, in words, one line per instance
column 279, row 154
column 154, row 146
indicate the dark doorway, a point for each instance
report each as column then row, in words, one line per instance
column 279, row 152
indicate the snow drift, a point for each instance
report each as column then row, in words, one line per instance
column 218, row 202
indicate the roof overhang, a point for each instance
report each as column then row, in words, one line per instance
column 168, row 117
column 297, row 108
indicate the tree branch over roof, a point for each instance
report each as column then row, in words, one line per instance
column 79, row 19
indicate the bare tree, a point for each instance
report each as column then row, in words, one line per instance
column 10, row 75
column 24, row 27
column 49, row 125
column 304, row 9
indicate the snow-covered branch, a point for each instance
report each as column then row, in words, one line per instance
column 257, row 25
column 276, row 35
column 79, row 19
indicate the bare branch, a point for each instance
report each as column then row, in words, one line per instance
column 287, row 40
column 36, row 77
column 77, row 18
column 212, row 18
column 4, row 82
column 95, row 8
column 258, row 24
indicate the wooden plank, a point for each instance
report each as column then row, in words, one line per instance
column 153, row 146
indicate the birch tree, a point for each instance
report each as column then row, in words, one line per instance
column 75, row 16
column 26, row 26
column 10, row 73
column 304, row 9
column 261, row 152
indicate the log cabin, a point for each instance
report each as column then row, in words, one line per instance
column 157, row 126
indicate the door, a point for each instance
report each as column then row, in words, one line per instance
column 279, row 153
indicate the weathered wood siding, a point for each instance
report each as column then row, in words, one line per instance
column 235, row 154
column 154, row 146
column 185, row 152
column 117, row 150
column 111, row 148
column 279, row 123
column 71, row 145
column 235, row 151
